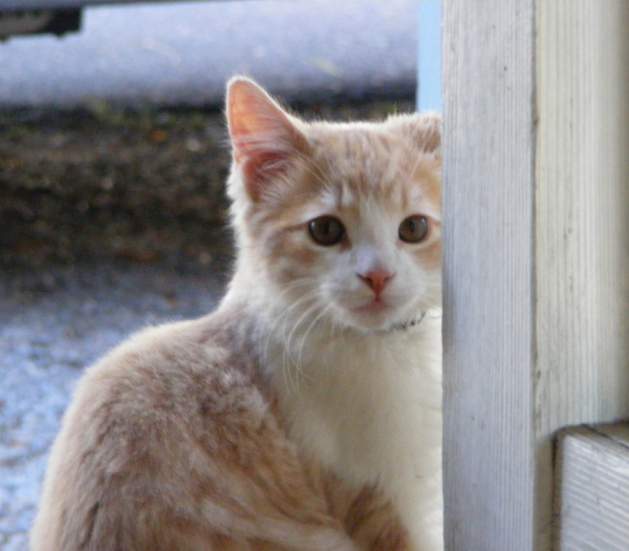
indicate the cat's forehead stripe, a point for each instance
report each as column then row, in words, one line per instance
column 362, row 164
column 351, row 190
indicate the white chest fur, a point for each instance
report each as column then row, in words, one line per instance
column 369, row 408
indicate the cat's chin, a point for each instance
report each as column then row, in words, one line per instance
column 378, row 316
column 371, row 317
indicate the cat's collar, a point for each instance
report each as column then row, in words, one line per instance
column 405, row 325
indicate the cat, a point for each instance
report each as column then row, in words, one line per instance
column 304, row 414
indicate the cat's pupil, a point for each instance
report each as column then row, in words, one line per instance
column 326, row 230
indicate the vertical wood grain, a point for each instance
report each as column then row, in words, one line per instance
column 488, row 275
column 582, row 209
column 536, row 239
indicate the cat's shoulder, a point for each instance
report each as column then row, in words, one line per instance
column 185, row 366
column 170, row 347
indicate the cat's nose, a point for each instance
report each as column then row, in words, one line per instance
column 377, row 280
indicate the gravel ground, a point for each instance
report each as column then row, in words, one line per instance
column 52, row 324
column 111, row 220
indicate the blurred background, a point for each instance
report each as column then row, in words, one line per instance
column 113, row 156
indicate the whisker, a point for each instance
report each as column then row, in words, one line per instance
column 288, row 345
column 312, row 325
column 271, row 332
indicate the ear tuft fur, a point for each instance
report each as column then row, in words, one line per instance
column 423, row 128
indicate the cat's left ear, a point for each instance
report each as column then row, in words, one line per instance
column 264, row 137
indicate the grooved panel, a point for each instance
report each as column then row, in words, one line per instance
column 582, row 213
column 593, row 492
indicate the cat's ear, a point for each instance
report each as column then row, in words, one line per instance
column 424, row 129
column 264, row 138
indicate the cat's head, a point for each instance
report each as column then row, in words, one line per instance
column 336, row 221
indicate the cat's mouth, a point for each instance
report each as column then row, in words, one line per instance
column 375, row 306
column 378, row 313
column 373, row 313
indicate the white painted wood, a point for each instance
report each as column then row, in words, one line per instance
column 535, row 253
column 593, row 489
column 582, row 209
column 488, row 266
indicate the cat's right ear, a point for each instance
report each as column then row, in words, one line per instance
column 264, row 137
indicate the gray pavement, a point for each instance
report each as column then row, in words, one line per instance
column 180, row 54
column 53, row 322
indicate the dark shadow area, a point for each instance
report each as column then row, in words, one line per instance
column 142, row 185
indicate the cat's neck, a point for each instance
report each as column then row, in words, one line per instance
column 300, row 346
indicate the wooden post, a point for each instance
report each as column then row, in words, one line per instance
column 535, row 253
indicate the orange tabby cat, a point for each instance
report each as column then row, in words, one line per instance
column 304, row 414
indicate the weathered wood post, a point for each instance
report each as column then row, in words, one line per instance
column 536, row 239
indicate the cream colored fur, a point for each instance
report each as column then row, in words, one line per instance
column 302, row 415
column 369, row 408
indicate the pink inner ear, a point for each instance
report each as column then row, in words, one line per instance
column 263, row 137
column 259, row 169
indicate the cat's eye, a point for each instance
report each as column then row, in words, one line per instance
column 326, row 230
column 414, row 229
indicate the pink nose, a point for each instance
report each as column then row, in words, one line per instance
column 377, row 280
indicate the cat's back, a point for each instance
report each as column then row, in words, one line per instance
column 148, row 429
column 184, row 371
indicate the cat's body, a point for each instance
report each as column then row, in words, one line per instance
column 284, row 421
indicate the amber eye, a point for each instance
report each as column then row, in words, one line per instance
column 326, row 230
column 414, row 229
